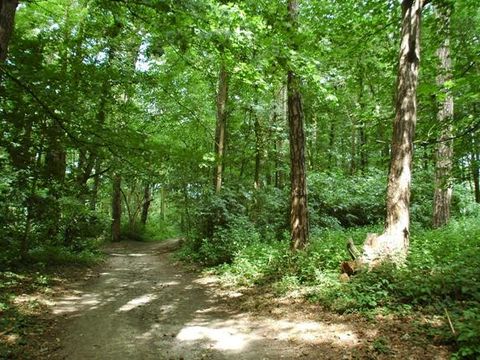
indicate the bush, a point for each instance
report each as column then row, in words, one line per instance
column 441, row 274
column 357, row 202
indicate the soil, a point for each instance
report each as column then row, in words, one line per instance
column 141, row 304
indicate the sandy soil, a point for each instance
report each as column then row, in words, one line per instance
column 142, row 305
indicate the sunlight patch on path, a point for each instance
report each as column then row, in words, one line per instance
column 70, row 304
column 241, row 332
column 139, row 301
column 227, row 338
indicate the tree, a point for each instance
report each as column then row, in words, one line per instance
column 116, row 207
column 298, row 191
column 444, row 151
column 220, row 130
column 7, row 21
column 393, row 243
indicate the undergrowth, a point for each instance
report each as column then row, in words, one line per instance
column 441, row 276
column 23, row 285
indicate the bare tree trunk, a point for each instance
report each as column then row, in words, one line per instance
column 7, row 23
column 55, row 167
column 299, row 209
column 475, row 175
column 163, row 203
column 362, row 133
column 353, row 147
column 258, row 153
column 393, row 244
column 116, row 207
column 222, row 96
column 281, row 113
column 96, row 185
column 147, row 199
column 444, row 154
column 331, row 144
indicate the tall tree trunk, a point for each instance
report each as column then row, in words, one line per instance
column 147, row 199
column 362, row 133
column 116, row 207
column 7, row 23
column 280, row 120
column 96, row 185
column 444, row 153
column 55, row 158
column 331, row 144
column 298, row 209
column 353, row 147
column 258, row 153
column 163, row 203
column 475, row 174
column 222, row 96
column 393, row 244
column 55, row 166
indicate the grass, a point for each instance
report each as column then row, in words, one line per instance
column 441, row 277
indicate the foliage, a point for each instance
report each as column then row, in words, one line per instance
column 442, row 273
column 97, row 90
column 354, row 203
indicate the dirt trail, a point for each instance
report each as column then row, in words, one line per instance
column 143, row 306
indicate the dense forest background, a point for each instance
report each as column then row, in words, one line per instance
column 153, row 119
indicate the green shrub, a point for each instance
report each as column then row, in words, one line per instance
column 58, row 255
column 356, row 202
column 258, row 263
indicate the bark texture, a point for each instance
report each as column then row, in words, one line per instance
column 222, row 95
column 393, row 244
column 444, row 153
column 258, row 153
column 298, row 209
column 475, row 174
column 7, row 22
column 116, row 207
column 147, row 199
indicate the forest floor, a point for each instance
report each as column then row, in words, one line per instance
column 141, row 304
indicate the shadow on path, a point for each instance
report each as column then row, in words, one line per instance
column 144, row 306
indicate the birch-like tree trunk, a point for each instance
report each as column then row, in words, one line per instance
column 393, row 244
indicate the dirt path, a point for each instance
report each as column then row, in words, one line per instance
column 143, row 306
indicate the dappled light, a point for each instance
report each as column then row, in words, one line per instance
column 181, row 311
column 142, row 300
column 210, row 180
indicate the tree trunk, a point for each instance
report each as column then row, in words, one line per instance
column 393, row 244
column 475, row 175
column 55, row 159
column 258, row 153
column 116, row 207
column 353, row 146
column 96, row 185
column 222, row 95
column 299, row 209
column 280, row 118
column 444, row 153
column 7, row 23
column 163, row 203
column 147, row 199
column 55, row 167
column 362, row 133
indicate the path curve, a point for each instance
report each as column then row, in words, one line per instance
column 142, row 305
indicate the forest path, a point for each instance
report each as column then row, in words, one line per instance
column 142, row 305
